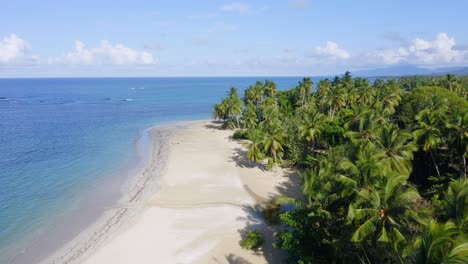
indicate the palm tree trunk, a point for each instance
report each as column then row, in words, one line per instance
column 464, row 164
column 435, row 164
column 237, row 120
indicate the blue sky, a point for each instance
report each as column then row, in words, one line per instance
column 227, row 38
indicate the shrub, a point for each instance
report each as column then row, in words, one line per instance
column 240, row 134
column 254, row 240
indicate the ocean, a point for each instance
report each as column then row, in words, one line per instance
column 64, row 141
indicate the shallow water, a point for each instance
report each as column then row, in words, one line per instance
column 63, row 138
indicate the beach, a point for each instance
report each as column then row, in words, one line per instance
column 207, row 197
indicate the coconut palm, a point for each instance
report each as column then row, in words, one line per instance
column 273, row 141
column 304, row 89
column 385, row 212
column 428, row 132
column 220, row 111
column 257, row 93
column 366, row 127
column 439, row 246
column 311, row 128
column 234, row 105
column 451, row 83
column 249, row 116
column 459, row 136
column 323, row 88
column 397, row 147
column 457, row 200
column 335, row 99
column 270, row 89
column 347, row 80
column 317, row 191
column 364, row 165
column 389, row 98
column 254, row 145
column 366, row 93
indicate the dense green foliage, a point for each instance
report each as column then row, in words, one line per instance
column 253, row 240
column 383, row 168
column 450, row 82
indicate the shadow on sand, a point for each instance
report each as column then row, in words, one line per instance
column 254, row 219
column 215, row 124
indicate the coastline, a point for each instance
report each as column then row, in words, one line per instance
column 192, row 204
column 139, row 182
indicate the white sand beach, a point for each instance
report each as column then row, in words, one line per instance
column 207, row 199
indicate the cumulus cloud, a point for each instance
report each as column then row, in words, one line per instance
column 442, row 50
column 14, row 49
column 106, row 53
column 331, row 51
column 239, row 8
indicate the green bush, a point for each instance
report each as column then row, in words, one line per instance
column 240, row 134
column 254, row 240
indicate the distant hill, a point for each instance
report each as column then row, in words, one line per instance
column 404, row 70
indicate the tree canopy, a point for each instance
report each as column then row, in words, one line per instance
column 383, row 165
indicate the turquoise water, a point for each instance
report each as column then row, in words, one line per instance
column 59, row 137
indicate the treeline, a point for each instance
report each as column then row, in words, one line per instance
column 383, row 167
column 458, row 84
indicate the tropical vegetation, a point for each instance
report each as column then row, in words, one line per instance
column 382, row 163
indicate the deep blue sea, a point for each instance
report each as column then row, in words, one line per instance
column 60, row 137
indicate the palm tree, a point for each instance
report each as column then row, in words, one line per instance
column 389, row 98
column 459, row 135
column 451, row 83
column 234, row 105
column 323, row 90
column 457, row 200
column 255, row 147
column 220, row 111
column 304, row 90
column 270, row 89
column 365, row 128
column 385, row 212
column 364, row 165
column 318, row 194
column 428, row 131
column 438, row 245
column 269, row 113
column 273, row 141
column 257, row 93
column 249, row 116
column 312, row 126
column 249, row 95
column 347, row 80
column 397, row 147
column 336, row 99
column 365, row 91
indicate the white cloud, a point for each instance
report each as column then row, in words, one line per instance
column 331, row 51
column 106, row 53
column 442, row 50
column 239, row 8
column 14, row 49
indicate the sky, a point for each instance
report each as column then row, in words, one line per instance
column 227, row 38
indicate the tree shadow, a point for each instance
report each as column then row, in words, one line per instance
column 233, row 259
column 240, row 158
column 291, row 187
column 215, row 124
column 255, row 221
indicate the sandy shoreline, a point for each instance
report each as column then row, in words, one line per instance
column 205, row 200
